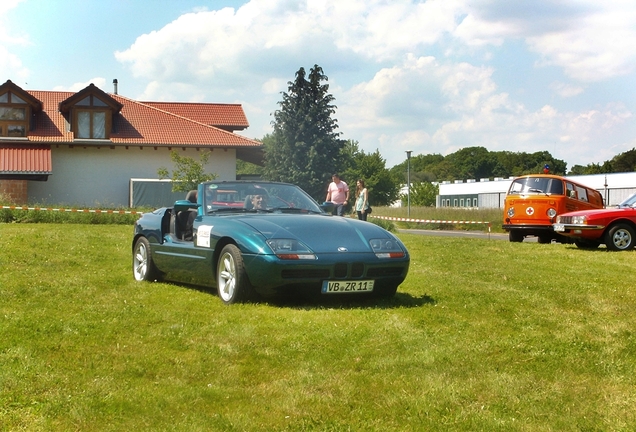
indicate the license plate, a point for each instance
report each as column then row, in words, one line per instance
column 338, row 287
column 558, row 227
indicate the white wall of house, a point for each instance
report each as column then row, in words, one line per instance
column 100, row 177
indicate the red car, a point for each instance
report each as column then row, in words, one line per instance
column 614, row 227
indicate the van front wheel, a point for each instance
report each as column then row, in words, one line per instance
column 544, row 239
column 620, row 237
column 515, row 236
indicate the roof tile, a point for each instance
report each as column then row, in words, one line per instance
column 144, row 124
column 212, row 114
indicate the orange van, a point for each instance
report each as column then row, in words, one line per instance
column 534, row 201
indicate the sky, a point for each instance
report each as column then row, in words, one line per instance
column 430, row 76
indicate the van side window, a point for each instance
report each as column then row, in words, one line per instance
column 570, row 190
column 582, row 193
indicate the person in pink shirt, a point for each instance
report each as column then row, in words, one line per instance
column 338, row 193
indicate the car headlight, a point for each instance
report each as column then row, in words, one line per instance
column 551, row 212
column 579, row 220
column 290, row 249
column 386, row 248
column 511, row 212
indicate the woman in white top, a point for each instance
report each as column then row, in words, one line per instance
column 362, row 200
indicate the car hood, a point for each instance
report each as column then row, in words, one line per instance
column 601, row 212
column 322, row 234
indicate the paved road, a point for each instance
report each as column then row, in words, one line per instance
column 466, row 234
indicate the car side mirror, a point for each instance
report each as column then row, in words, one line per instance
column 328, row 206
column 181, row 205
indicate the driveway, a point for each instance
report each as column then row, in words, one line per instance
column 466, row 234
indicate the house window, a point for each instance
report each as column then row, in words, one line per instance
column 91, row 124
column 14, row 114
column 92, row 120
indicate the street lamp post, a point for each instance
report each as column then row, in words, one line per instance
column 408, row 182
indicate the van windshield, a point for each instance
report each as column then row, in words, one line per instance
column 536, row 185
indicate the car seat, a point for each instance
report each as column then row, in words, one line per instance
column 185, row 218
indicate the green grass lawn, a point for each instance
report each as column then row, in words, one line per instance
column 483, row 335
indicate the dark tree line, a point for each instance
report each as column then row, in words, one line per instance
column 622, row 162
column 477, row 163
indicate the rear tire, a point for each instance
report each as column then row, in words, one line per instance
column 620, row 237
column 544, row 239
column 231, row 278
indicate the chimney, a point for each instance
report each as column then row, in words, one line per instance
column 115, row 85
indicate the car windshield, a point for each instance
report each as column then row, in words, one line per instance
column 257, row 197
column 536, row 185
column 629, row 202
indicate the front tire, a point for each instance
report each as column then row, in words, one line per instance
column 515, row 236
column 620, row 237
column 231, row 278
column 143, row 266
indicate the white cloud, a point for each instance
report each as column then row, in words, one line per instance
column 10, row 62
column 11, row 66
column 590, row 40
column 463, row 108
column 75, row 87
column 213, row 44
column 7, row 5
column 566, row 90
column 418, row 76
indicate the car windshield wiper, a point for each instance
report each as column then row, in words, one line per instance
column 294, row 210
column 229, row 210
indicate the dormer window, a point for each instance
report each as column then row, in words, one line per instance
column 14, row 115
column 92, row 118
column 90, row 113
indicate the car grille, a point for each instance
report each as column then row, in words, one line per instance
column 566, row 219
column 340, row 270
column 305, row 274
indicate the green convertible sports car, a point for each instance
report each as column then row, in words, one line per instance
column 253, row 239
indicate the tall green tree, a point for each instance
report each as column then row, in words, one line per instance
column 304, row 147
column 188, row 172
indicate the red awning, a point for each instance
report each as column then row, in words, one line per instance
column 25, row 160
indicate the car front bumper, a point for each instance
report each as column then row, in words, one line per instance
column 579, row 230
column 269, row 274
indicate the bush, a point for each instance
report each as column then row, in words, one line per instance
column 19, row 215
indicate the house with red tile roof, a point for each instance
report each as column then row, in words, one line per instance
column 83, row 148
